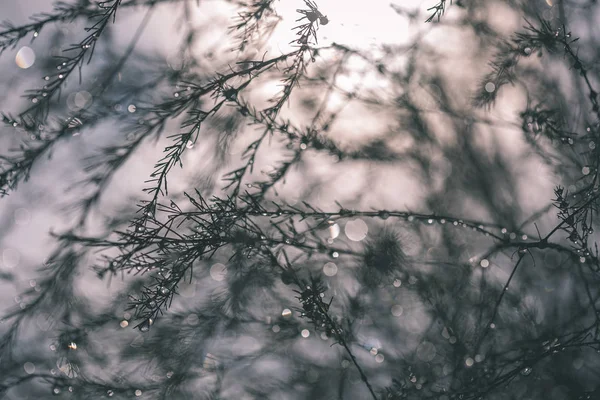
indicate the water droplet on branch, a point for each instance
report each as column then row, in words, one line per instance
column 145, row 326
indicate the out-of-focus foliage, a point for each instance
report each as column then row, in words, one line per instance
column 409, row 219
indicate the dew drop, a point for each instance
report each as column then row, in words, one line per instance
column 356, row 230
column 36, row 34
column 526, row 371
column 330, row 269
column 490, row 87
column 218, row 272
column 384, row 215
column 25, row 57
column 397, row 310
column 145, row 326
column 131, row 108
column 138, row 393
column 426, row 351
column 29, row 368
column 484, row 263
column 334, row 230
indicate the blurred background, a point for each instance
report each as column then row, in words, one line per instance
column 437, row 167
